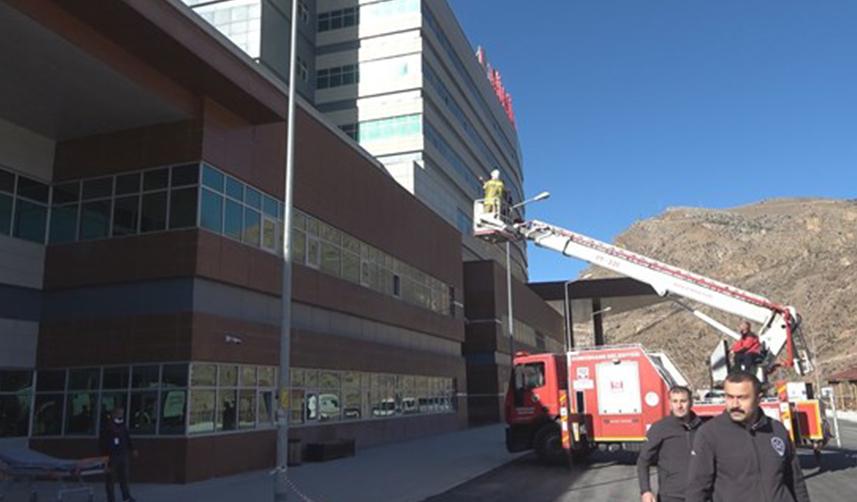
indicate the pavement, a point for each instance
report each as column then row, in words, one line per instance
column 612, row 477
column 400, row 472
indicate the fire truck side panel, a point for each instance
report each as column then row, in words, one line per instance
column 621, row 391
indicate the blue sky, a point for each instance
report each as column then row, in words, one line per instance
column 625, row 108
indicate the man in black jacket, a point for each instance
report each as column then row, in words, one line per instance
column 743, row 454
column 668, row 445
column 116, row 443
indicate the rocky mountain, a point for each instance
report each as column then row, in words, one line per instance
column 800, row 252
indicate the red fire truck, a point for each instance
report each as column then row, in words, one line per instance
column 608, row 396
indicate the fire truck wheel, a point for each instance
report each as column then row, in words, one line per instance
column 548, row 444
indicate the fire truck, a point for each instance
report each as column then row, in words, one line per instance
column 564, row 405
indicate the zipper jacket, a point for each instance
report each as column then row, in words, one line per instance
column 668, row 445
column 731, row 462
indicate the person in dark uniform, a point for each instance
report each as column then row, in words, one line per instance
column 668, row 445
column 116, row 444
column 743, row 454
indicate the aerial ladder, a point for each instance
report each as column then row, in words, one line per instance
column 779, row 324
column 607, row 396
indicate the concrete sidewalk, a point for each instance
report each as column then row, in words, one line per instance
column 407, row 471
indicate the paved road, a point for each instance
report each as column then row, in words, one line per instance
column 610, row 477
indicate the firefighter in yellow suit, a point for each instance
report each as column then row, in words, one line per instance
column 494, row 189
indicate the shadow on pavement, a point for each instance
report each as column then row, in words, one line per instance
column 832, row 460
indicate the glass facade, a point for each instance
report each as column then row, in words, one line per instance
column 320, row 395
column 16, row 397
column 318, row 245
column 239, row 20
column 390, row 128
column 337, row 76
column 23, row 206
column 159, row 399
column 198, row 398
column 340, row 18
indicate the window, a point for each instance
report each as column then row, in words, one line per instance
column 303, row 72
column 529, row 376
column 337, row 76
column 156, row 179
column 233, row 220
column 202, row 411
column 126, row 215
column 5, row 213
column 95, row 220
column 143, row 412
column 127, row 184
column 392, row 127
column 33, row 190
column 63, row 223
column 153, row 215
column 185, row 175
column 226, row 409
column 252, row 230
column 30, row 221
column 336, row 19
column 303, row 12
column 211, row 211
column 213, row 178
column 173, row 411
column 16, row 391
column 350, row 130
column 183, row 207
column 47, row 415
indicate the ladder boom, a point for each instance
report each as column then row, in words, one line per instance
column 778, row 322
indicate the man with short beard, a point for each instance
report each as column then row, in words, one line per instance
column 668, row 445
column 743, row 454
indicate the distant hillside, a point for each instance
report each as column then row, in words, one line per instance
column 800, row 252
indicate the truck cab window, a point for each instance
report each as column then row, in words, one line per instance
column 529, row 376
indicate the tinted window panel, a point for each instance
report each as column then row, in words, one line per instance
column 30, row 221
column 153, row 216
column 102, row 187
column 66, row 193
column 127, row 183
column 157, row 179
column 185, row 175
column 125, row 215
column 183, row 208
column 33, row 189
column 7, row 181
column 212, row 178
column 95, row 220
column 234, row 189
column 211, row 215
column 5, row 214
column 234, row 219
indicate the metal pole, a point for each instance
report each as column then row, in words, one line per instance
column 569, row 342
column 835, row 416
column 281, row 477
column 509, row 305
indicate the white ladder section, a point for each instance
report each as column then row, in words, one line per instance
column 777, row 321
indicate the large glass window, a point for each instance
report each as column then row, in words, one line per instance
column 63, row 223
column 143, row 417
column 156, row 398
column 126, row 215
column 183, row 208
column 80, row 413
column 95, row 220
column 30, row 220
column 234, row 220
column 173, row 410
column 211, row 211
column 153, row 214
column 47, row 415
column 202, row 411
column 16, row 391
column 252, row 227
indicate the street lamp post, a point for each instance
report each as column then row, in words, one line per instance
column 280, row 477
column 509, row 311
column 567, row 312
